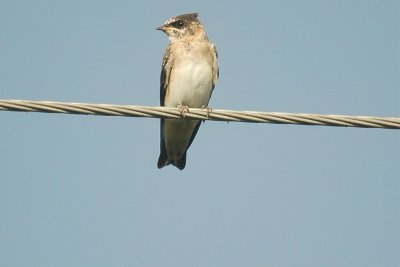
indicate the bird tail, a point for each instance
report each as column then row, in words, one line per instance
column 163, row 161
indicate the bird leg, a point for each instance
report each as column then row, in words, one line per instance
column 183, row 109
column 209, row 110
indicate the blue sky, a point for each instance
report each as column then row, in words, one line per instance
column 85, row 190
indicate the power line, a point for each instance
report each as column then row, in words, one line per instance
column 203, row 114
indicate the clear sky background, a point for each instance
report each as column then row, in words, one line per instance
column 85, row 190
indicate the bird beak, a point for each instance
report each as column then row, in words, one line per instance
column 161, row 28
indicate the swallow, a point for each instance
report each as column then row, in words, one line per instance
column 188, row 76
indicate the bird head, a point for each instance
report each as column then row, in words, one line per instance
column 183, row 26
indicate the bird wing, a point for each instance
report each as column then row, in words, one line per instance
column 215, row 67
column 165, row 74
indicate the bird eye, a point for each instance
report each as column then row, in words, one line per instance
column 178, row 24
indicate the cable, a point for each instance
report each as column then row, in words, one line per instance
column 202, row 114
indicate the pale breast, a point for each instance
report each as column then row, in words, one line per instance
column 190, row 82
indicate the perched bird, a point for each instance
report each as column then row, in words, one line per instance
column 188, row 76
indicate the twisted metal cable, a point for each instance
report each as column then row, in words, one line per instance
column 203, row 114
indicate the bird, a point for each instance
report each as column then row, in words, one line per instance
column 189, row 73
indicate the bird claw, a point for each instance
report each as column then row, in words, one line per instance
column 209, row 110
column 183, row 110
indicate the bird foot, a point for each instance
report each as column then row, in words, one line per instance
column 209, row 110
column 183, row 110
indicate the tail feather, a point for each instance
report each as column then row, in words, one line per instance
column 181, row 163
column 163, row 161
